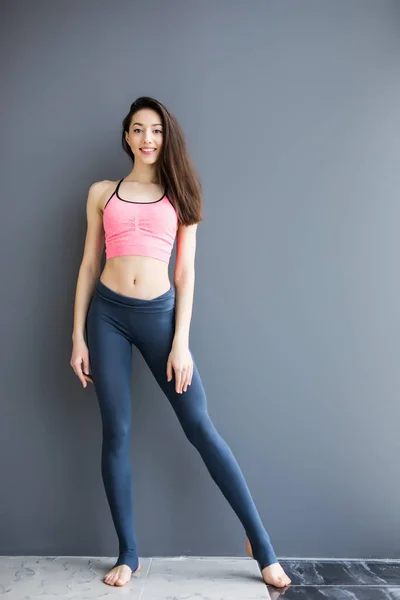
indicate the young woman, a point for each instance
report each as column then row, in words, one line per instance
column 133, row 302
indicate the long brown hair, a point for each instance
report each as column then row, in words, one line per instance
column 175, row 169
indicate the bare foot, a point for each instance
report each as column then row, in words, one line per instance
column 119, row 575
column 273, row 574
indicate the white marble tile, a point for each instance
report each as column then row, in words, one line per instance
column 66, row 577
column 209, row 578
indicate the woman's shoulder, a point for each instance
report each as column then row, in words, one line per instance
column 102, row 190
column 99, row 187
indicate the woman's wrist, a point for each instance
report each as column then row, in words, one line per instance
column 78, row 336
column 181, row 338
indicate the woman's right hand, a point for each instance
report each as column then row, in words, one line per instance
column 80, row 354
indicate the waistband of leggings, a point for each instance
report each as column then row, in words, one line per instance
column 165, row 300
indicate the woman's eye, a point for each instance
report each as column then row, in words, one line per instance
column 137, row 129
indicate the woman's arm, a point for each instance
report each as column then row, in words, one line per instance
column 89, row 270
column 84, row 290
column 184, row 279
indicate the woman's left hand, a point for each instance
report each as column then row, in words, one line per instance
column 181, row 361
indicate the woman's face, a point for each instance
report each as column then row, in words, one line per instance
column 145, row 131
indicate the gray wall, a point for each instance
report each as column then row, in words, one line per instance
column 291, row 111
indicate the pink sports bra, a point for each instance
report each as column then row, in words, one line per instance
column 139, row 228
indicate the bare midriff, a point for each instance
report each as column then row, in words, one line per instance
column 136, row 276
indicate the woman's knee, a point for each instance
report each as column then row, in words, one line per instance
column 200, row 430
column 116, row 432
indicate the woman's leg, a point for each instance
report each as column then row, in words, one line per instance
column 110, row 356
column 154, row 342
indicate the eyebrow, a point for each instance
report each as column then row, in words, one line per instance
column 153, row 125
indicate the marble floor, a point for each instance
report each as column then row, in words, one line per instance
column 196, row 578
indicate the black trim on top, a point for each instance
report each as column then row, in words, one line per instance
column 132, row 201
column 110, row 197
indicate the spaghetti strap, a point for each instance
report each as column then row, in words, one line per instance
column 114, row 192
column 117, row 188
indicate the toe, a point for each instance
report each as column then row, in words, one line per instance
column 278, row 582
